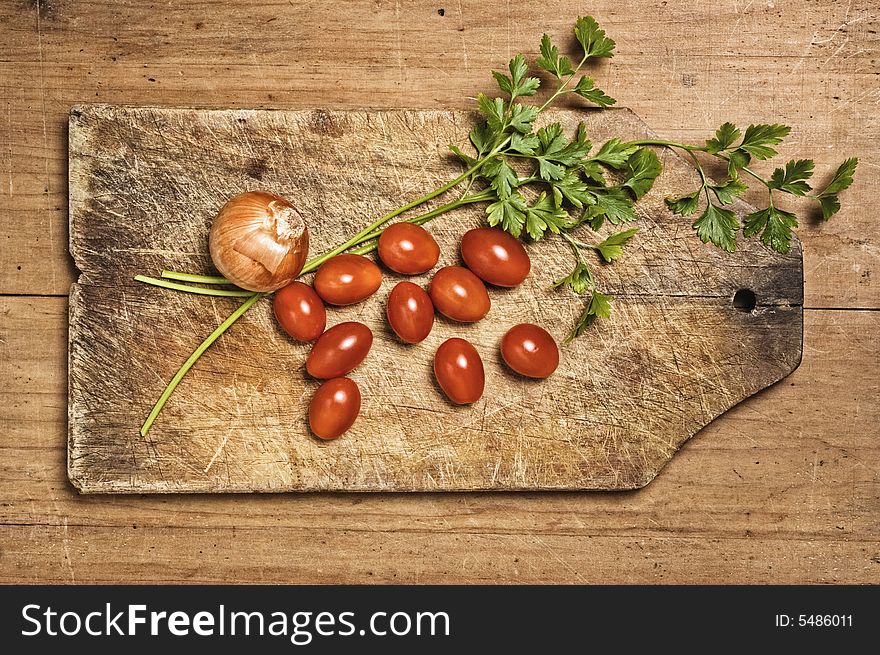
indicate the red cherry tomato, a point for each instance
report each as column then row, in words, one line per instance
column 408, row 249
column 334, row 408
column 459, row 294
column 300, row 311
column 347, row 279
column 410, row 312
column 495, row 256
column 459, row 371
column 339, row 350
column 530, row 350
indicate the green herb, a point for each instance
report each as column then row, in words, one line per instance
column 612, row 247
column 775, row 227
column 841, row 180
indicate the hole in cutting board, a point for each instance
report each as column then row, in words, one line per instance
column 744, row 300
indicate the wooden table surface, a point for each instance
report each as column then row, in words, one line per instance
column 783, row 488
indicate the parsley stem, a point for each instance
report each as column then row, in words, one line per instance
column 561, row 89
column 205, row 291
column 747, row 170
column 699, row 167
column 188, row 364
column 370, row 242
column 756, row 176
column 191, row 277
column 692, row 149
column 575, row 246
column 359, row 237
column 421, row 219
column 668, row 144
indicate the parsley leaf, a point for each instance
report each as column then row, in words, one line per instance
column 509, row 213
column 592, row 38
column 794, row 178
column 467, row 159
column 737, row 159
column 548, row 170
column 552, row 139
column 842, row 179
column 545, row 215
column 573, row 189
column 725, row 136
column 758, row 139
column 614, row 153
column 518, row 84
column 482, row 137
column 599, row 306
column 522, row 117
column 728, row 191
column 586, row 88
column 684, row 205
column 504, row 82
column 494, row 111
column 593, row 170
column 525, row 144
column 614, row 204
column 550, row 60
column 555, row 153
column 642, row 168
column 612, row 247
column 756, row 142
column 775, row 226
column 830, row 205
column 719, row 226
column 580, row 280
column 503, row 179
column 583, row 143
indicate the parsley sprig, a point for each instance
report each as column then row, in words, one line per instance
column 541, row 182
column 774, row 226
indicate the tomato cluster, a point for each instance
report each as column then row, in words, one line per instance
column 491, row 256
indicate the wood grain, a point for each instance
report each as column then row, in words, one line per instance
column 783, row 488
column 145, row 184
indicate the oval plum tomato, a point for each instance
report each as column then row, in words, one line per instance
column 459, row 371
column 409, row 249
column 410, row 312
column 459, row 294
column 339, row 350
column 347, row 279
column 495, row 256
column 530, row 350
column 300, row 311
column 334, row 408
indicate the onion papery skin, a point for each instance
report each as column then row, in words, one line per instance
column 259, row 241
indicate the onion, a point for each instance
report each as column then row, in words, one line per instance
column 259, row 241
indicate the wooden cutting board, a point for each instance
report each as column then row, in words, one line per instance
column 144, row 186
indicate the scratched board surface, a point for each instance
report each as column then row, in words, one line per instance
column 144, row 186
